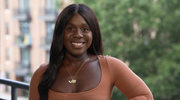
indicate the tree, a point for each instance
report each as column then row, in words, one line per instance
column 145, row 35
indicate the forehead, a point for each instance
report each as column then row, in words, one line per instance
column 77, row 19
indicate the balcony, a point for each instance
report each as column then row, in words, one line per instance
column 23, row 40
column 46, row 43
column 22, row 70
column 21, row 14
column 14, row 86
column 48, row 14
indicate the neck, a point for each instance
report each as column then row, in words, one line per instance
column 75, row 60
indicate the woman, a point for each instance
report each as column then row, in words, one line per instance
column 77, row 69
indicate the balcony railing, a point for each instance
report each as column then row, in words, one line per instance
column 14, row 85
column 23, row 40
column 48, row 14
column 21, row 14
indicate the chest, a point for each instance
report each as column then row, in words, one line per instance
column 88, row 77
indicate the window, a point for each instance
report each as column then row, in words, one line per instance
column 50, row 6
column 47, row 56
column 6, row 4
column 50, row 28
column 24, row 27
column 7, row 28
column 7, row 87
column 23, row 6
column 7, row 54
column 49, row 31
column 25, row 58
column 25, row 32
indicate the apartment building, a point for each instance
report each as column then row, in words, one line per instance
column 26, row 30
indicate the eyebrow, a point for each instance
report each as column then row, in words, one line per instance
column 73, row 24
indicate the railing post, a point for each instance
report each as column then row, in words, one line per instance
column 14, row 86
column 13, row 93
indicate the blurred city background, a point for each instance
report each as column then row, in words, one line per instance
column 145, row 34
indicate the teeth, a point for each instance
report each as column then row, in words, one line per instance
column 77, row 44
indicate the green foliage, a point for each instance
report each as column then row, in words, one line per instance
column 144, row 33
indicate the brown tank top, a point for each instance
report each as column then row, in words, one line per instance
column 113, row 73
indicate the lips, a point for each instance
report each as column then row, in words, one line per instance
column 77, row 44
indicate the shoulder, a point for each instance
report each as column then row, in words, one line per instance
column 37, row 75
column 35, row 80
column 117, row 65
column 112, row 61
column 114, row 65
column 41, row 69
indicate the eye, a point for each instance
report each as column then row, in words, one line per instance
column 85, row 29
column 70, row 28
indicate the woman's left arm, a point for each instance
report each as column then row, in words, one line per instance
column 128, row 82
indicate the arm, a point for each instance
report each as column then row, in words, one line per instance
column 128, row 82
column 35, row 80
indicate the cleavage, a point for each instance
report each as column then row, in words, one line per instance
column 87, row 79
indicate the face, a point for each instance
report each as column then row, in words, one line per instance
column 77, row 36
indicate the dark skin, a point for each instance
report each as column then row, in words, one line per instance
column 77, row 39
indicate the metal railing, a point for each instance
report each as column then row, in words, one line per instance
column 14, row 85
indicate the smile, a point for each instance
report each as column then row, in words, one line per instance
column 77, row 44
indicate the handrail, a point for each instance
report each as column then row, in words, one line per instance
column 14, row 85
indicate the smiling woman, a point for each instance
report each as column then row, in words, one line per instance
column 77, row 69
column 77, row 36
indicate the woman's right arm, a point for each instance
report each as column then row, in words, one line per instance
column 35, row 80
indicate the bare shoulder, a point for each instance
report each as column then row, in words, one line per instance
column 41, row 69
column 38, row 74
column 43, row 66
column 35, row 80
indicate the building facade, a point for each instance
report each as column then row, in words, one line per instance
column 26, row 30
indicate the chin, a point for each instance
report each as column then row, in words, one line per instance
column 78, row 53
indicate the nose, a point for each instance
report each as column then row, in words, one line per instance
column 78, row 34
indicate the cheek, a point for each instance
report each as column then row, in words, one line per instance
column 66, row 36
column 65, row 41
column 90, row 37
